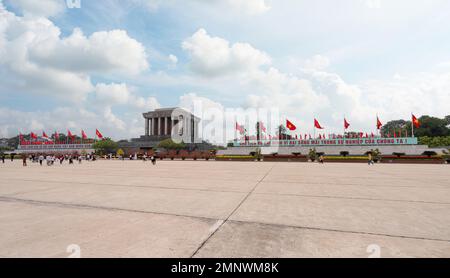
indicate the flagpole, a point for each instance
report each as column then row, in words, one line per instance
column 345, row 120
column 412, row 126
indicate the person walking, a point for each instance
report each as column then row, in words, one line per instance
column 3, row 158
column 321, row 159
column 41, row 159
column 370, row 159
column 12, row 157
column 24, row 160
column 153, row 159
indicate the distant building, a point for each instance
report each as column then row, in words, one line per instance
column 165, row 123
column 4, row 143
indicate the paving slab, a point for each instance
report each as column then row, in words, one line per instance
column 361, row 191
column 173, row 209
column 249, row 240
column 210, row 204
column 33, row 230
column 404, row 219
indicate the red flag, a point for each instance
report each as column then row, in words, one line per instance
column 379, row 124
column 99, row 135
column 415, row 121
column 44, row 135
column 56, row 136
column 320, row 136
column 83, row 134
column 301, row 137
column 346, row 124
column 317, row 125
column 33, row 136
column 262, row 127
column 69, row 134
column 239, row 128
column 290, row 125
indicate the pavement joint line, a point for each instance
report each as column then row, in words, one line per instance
column 367, row 185
column 223, row 221
column 350, row 198
column 86, row 206
column 336, row 230
column 138, row 186
column 232, row 212
column 172, row 178
column 29, row 191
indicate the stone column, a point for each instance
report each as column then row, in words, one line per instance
column 147, row 131
column 166, row 127
column 161, row 127
column 150, row 125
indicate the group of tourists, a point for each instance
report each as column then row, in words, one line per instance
column 51, row 159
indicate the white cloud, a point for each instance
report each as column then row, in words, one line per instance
column 318, row 62
column 112, row 94
column 35, row 59
column 251, row 7
column 100, row 52
column 315, row 92
column 173, row 59
column 39, row 8
column 213, row 56
column 119, row 94
column 373, row 4
column 245, row 7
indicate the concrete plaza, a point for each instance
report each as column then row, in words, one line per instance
column 224, row 209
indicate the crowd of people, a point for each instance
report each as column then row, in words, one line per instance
column 51, row 159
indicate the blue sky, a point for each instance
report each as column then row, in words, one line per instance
column 101, row 65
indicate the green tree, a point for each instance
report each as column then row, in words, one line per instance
column 429, row 126
column 169, row 144
column 105, row 146
column 447, row 119
column 442, row 141
column 432, row 126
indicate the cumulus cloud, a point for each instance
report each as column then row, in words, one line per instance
column 251, row 7
column 373, row 4
column 318, row 62
column 105, row 51
column 120, row 94
column 35, row 59
column 214, row 56
column 316, row 92
column 39, row 8
column 245, row 7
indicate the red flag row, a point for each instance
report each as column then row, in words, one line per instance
column 292, row 127
column 34, row 136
